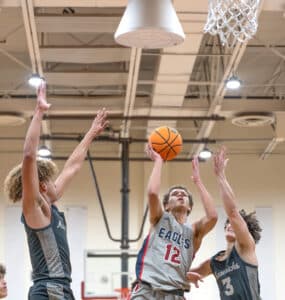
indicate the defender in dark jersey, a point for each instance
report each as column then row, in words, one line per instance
column 236, row 268
column 168, row 250
column 45, row 226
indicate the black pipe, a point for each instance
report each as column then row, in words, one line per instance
column 147, row 118
column 115, row 158
column 119, row 139
column 125, row 212
column 100, row 199
column 142, row 227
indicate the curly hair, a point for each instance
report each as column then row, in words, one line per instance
column 180, row 187
column 2, row 270
column 13, row 182
column 252, row 224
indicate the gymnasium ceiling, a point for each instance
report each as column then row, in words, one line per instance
column 71, row 44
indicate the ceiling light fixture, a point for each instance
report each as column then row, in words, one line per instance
column 149, row 24
column 35, row 80
column 44, row 152
column 233, row 83
column 205, row 154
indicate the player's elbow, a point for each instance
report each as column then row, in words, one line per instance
column 212, row 215
column 152, row 193
column 212, row 218
column 29, row 155
column 233, row 213
column 29, row 151
column 72, row 169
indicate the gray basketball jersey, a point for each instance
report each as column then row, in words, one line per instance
column 237, row 280
column 49, row 251
column 166, row 255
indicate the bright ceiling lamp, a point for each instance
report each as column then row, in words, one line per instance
column 205, row 154
column 35, row 80
column 233, row 83
column 150, row 24
column 44, row 152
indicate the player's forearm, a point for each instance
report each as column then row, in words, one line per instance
column 33, row 135
column 204, row 269
column 154, row 182
column 227, row 194
column 201, row 270
column 77, row 157
column 207, row 201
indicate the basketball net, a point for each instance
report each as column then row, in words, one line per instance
column 233, row 20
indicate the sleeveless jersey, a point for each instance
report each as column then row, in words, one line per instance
column 237, row 280
column 49, row 251
column 166, row 255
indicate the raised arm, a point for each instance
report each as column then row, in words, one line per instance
column 243, row 236
column 153, row 188
column 30, row 180
column 76, row 159
column 206, row 223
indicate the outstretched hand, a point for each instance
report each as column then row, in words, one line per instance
column 194, row 278
column 41, row 98
column 153, row 155
column 220, row 162
column 195, row 170
column 100, row 122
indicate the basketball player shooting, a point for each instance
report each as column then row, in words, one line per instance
column 168, row 250
column 236, row 268
column 45, row 226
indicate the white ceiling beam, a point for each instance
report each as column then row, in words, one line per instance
column 67, row 3
column 180, row 5
column 85, row 55
column 15, row 59
column 35, row 37
column 86, row 79
column 270, row 148
column 64, row 104
column 87, row 24
column 82, row 105
column 195, row 108
column 279, row 135
column 28, row 32
column 131, row 88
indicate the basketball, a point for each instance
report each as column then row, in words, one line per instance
column 166, row 141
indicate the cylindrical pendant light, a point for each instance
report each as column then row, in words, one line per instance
column 149, row 24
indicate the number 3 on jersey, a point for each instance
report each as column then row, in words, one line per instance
column 172, row 254
column 229, row 289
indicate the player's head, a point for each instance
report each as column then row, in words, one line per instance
column 3, row 285
column 252, row 224
column 13, row 182
column 178, row 195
